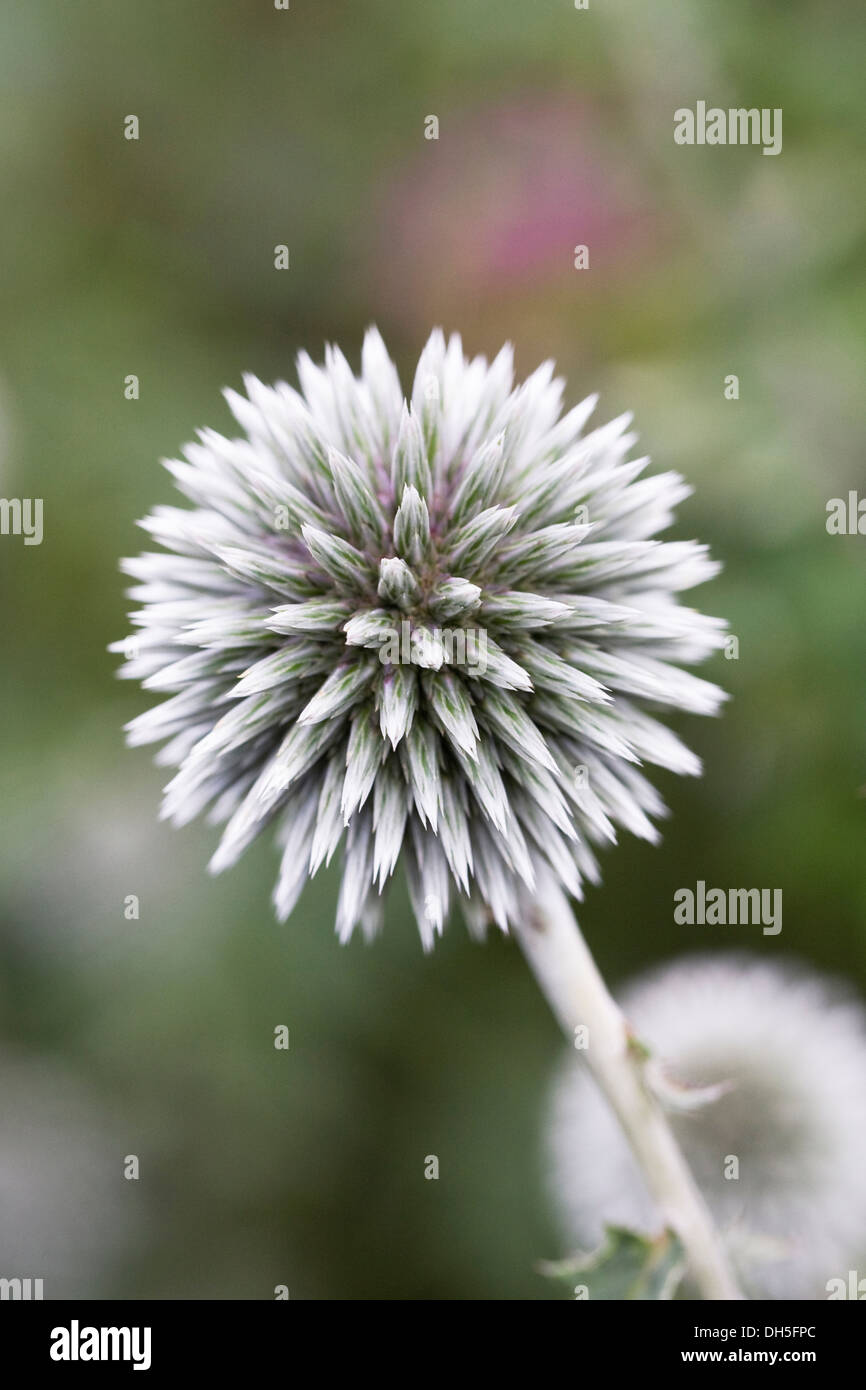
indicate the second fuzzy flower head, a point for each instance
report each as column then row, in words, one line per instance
column 438, row 626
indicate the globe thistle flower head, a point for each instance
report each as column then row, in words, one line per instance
column 779, row 1153
column 439, row 626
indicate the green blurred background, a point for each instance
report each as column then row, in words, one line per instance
column 258, row 127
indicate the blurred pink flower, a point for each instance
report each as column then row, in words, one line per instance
column 496, row 206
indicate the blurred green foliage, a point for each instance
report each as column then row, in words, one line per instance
column 305, row 127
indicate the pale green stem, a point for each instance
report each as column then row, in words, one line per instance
column 569, row 978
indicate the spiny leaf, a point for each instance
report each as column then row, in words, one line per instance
column 627, row 1265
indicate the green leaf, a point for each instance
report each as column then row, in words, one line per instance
column 626, row 1266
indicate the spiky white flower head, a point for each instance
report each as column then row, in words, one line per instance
column 779, row 1154
column 320, row 619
